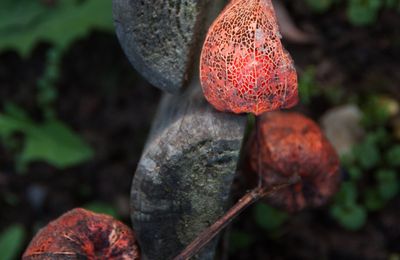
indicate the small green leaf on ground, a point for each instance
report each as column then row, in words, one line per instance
column 347, row 195
column 388, row 185
column 268, row 217
column 393, row 156
column 352, row 217
column 367, row 154
column 11, row 241
column 363, row 12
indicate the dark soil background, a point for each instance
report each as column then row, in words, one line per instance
column 111, row 107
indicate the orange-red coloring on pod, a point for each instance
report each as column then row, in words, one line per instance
column 244, row 67
column 291, row 144
column 81, row 234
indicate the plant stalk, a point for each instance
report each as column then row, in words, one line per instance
column 208, row 234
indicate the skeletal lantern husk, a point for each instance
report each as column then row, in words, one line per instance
column 243, row 66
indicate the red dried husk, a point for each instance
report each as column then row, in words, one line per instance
column 291, row 144
column 81, row 234
column 243, row 66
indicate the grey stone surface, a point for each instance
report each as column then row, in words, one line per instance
column 184, row 177
column 160, row 37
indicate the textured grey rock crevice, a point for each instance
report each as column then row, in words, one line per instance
column 184, row 177
column 161, row 37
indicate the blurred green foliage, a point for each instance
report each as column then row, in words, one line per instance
column 46, row 84
column 11, row 241
column 346, row 209
column 51, row 140
column 359, row 12
column 268, row 217
column 24, row 23
column 309, row 88
column 372, row 167
column 102, row 207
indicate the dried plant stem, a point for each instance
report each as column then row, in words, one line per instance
column 207, row 235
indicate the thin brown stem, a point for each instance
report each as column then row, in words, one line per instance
column 207, row 235
column 258, row 140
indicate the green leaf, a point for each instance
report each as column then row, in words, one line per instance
column 392, row 156
column 367, row 154
column 24, row 23
column 307, row 86
column 11, row 241
column 52, row 141
column 351, row 217
column 388, row 185
column 347, row 195
column 13, row 121
column 268, row 217
column 239, row 240
column 378, row 110
column 320, row 6
column 55, row 143
column 363, row 12
column 102, row 207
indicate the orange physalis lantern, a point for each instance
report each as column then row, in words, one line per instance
column 291, row 144
column 81, row 234
column 244, row 67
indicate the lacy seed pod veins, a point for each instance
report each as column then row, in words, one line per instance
column 81, row 234
column 291, row 144
column 243, row 65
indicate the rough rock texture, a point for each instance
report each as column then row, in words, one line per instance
column 160, row 37
column 184, row 177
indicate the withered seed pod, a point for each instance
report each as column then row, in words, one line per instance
column 81, row 234
column 243, row 65
column 291, row 144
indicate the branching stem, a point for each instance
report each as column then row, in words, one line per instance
column 208, row 234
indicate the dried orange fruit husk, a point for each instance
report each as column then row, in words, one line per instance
column 81, row 234
column 291, row 144
column 243, row 66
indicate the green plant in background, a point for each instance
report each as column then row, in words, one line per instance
column 363, row 12
column 269, row 218
column 266, row 217
column 24, row 23
column 51, row 140
column 309, row 88
column 46, row 84
column 307, row 85
column 359, row 12
column 320, row 6
column 372, row 167
column 346, row 209
column 11, row 242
